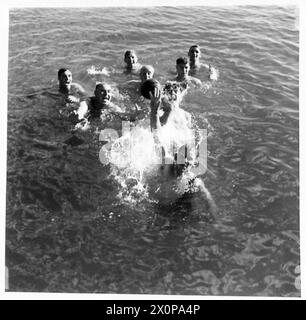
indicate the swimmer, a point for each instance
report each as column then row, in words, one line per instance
column 135, row 87
column 194, row 55
column 165, row 111
column 146, row 73
column 102, row 100
column 131, row 60
column 101, row 106
column 73, row 92
column 182, row 69
column 165, row 102
column 147, row 87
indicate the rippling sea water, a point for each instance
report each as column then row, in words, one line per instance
column 67, row 231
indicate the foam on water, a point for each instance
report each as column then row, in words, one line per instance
column 94, row 71
column 136, row 157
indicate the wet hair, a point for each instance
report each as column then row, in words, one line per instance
column 99, row 84
column 146, row 67
column 194, row 46
column 149, row 86
column 61, row 71
column 128, row 53
column 172, row 89
column 181, row 60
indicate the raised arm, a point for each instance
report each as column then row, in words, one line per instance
column 155, row 106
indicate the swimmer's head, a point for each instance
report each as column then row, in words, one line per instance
column 130, row 58
column 173, row 92
column 103, row 93
column 149, row 86
column 64, row 77
column 146, row 73
column 194, row 53
column 182, row 67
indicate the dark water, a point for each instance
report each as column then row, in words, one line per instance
column 67, row 230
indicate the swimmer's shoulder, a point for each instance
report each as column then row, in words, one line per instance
column 139, row 66
column 77, row 88
column 134, row 71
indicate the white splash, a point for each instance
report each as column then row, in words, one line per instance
column 93, row 71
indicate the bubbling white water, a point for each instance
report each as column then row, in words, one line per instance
column 131, row 155
column 136, row 158
column 144, row 162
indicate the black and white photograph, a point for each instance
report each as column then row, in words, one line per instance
column 153, row 150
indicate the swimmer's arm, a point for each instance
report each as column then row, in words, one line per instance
column 72, row 99
column 155, row 106
column 132, row 115
column 197, row 82
column 117, row 111
column 80, row 91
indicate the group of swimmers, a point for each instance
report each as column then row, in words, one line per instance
column 85, row 107
column 164, row 100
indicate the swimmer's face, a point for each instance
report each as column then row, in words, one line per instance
column 172, row 94
column 146, row 73
column 65, row 78
column 194, row 53
column 131, row 59
column 182, row 69
column 103, row 93
column 169, row 95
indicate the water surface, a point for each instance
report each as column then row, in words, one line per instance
column 67, row 230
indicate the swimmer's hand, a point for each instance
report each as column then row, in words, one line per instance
column 213, row 74
column 155, row 100
column 72, row 99
column 155, row 108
